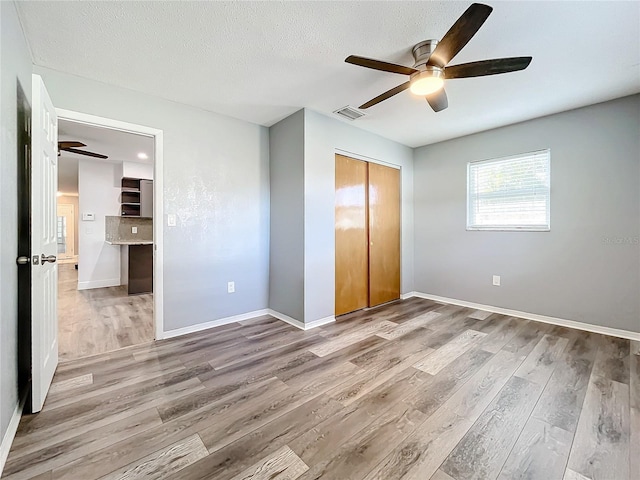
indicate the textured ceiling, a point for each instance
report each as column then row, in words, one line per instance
column 262, row 61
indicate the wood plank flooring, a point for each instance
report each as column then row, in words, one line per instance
column 100, row 319
column 410, row 390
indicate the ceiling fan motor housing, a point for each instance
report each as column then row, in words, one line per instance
column 421, row 53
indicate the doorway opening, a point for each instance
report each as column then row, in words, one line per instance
column 108, row 228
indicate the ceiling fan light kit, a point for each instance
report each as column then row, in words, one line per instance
column 430, row 70
column 427, row 81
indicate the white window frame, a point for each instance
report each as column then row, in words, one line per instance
column 510, row 228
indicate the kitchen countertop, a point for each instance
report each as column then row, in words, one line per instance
column 131, row 242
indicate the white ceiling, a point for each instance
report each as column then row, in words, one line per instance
column 117, row 145
column 261, row 61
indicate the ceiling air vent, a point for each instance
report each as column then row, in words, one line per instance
column 350, row 113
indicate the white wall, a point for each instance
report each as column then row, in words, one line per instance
column 99, row 193
column 216, row 180
column 587, row 268
column 137, row 170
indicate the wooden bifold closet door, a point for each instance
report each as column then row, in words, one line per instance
column 352, row 235
column 367, row 234
column 384, row 234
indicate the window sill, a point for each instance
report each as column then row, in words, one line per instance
column 508, row 229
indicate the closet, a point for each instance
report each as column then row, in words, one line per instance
column 367, row 234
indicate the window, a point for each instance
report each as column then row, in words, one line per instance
column 510, row 193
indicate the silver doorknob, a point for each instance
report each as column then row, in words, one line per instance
column 50, row 259
column 22, row 260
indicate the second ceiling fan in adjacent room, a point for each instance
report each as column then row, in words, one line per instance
column 72, row 147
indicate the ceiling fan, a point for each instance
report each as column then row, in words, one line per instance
column 431, row 69
column 71, row 147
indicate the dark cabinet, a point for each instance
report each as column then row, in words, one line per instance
column 136, row 198
column 140, row 269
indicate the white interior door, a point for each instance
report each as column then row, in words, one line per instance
column 44, row 274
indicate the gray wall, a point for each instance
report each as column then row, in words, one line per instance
column 323, row 136
column 587, row 268
column 216, row 179
column 286, row 173
column 16, row 66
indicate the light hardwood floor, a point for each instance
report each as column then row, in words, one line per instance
column 411, row 390
column 101, row 319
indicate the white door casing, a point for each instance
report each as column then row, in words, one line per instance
column 44, row 274
column 158, row 202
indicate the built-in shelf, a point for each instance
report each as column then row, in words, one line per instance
column 131, row 183
column 130, row 210
column 136, row 197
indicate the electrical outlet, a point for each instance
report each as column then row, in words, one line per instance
column 134, row 229
column 496, row 280
column 231, row 287
column 171, row 220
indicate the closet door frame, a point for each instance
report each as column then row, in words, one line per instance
column 364, row 158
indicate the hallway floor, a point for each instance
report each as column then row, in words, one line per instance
column 101, row 319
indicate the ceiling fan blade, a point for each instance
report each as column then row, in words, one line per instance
column 459, row 34
column 487, row 67
column 438, row 100
column 385, row 95
column 84, row 152
column 65, row 144
column 379, row 65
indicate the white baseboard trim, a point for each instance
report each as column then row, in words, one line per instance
column 615, row 332
column 246, row 316
column 10, row 434
column 302, row 325
column 320, row 322
column 214, row 323
column 110, row 282
column 287, row 319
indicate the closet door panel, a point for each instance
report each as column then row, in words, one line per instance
column 352, row 269
column 384, row 234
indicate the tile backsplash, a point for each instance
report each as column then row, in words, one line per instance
column 118, row 229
